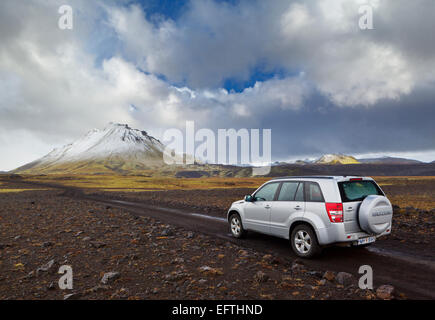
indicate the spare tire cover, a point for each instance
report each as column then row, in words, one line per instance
column 375, row 214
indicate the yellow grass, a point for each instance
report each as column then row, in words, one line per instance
column 140, row 183
column 418, row 192
column 411, row 191
column 19, row 190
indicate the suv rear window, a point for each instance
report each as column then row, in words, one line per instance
column 358, row 190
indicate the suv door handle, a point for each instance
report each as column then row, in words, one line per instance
column 267, row 206
column 298, row 208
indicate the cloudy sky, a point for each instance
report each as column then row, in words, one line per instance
column 301, row 68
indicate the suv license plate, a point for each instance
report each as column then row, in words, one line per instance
column 366, row 240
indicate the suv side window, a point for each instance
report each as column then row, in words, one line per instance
column 288, row 191
column 300, row 193
column 267, row 193
column 313, row 192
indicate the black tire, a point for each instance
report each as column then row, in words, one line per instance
column 236, row 226
column 301, row 248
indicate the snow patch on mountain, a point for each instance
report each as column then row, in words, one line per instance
column 114, row 140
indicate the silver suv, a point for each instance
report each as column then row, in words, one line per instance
column 315, row 211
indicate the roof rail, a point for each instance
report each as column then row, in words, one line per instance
column 301, row 177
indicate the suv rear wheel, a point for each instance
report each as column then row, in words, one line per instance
column 304, row 241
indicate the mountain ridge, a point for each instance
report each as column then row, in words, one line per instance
column 389, row 160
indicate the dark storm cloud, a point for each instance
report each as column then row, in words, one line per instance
column 389, row 126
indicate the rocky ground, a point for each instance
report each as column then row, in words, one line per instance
column 414, row 231
column 117, row 255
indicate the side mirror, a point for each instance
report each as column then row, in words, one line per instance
column 249, row 198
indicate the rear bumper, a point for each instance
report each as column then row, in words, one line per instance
column 335, row 233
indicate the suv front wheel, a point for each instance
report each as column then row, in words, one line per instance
column 236, row 226
column 304, row 241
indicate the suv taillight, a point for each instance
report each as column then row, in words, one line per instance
column 335, row 212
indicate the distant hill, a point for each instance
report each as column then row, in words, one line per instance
column 389, row 160
column 279, row 163
column 336, row 159
column 302, row 162
column 359, row 169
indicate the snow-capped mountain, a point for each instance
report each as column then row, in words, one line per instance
column 115, row 139
column 336, row 159
column 117, row 147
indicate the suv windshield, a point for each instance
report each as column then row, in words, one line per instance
column 358, row 190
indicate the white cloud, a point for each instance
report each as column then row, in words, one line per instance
column 214, row 42
column 387, row 77
column 19, row 147
column 296, row 18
